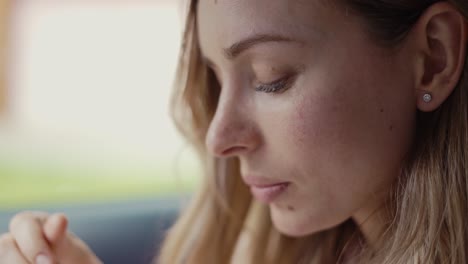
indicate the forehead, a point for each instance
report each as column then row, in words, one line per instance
column 223, row 22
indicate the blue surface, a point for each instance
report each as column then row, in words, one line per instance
column 127, row 232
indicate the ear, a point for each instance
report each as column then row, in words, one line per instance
column 440, row 37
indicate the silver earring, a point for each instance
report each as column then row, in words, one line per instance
column 427, row 97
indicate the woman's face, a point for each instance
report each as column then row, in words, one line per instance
column 310, row 100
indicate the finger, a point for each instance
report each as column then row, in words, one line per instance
column 67, row 247
column 40, row 216
column 26, row 229
column 9, row 251
column 55, row 228
column 71, row 249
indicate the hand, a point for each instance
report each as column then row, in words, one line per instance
column 38, row 236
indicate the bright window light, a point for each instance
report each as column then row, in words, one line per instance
column 89, row 86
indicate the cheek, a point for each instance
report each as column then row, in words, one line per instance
column 350, row 135
column 352, row 117
column 319, row 122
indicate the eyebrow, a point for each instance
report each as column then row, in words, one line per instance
column 239, row 47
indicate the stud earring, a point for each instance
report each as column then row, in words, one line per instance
column 427, row 97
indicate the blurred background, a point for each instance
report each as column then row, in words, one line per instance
column 84, row 92
column 84, row 120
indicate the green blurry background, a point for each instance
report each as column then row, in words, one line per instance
column 29, row 186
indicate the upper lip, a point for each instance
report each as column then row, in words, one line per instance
column 261, row 182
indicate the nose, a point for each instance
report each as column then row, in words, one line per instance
column 232, row 132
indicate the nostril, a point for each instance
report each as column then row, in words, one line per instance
column 232, row 151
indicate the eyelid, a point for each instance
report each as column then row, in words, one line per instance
column 279, row 85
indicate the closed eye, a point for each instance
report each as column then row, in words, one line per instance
column 277, row 86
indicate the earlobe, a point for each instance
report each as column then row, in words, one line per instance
column 441, row 41
column 425, row 101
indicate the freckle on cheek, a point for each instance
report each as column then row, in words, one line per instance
column 391, row 127
column 381, row 110
column 298, row 123
column 291, row 208
column 300, row 112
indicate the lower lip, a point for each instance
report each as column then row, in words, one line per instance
column 268, row 194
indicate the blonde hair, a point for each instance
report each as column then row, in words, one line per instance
column 429, row 202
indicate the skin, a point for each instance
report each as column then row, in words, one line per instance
column 340, row 132
column 34, row 234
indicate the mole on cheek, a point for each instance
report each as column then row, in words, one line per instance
column 291, row 208
column 391, row 127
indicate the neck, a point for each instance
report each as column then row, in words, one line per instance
column 372, row 220
column 352, row 249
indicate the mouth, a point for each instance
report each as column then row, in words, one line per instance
column 266, row 191
column 268, row 194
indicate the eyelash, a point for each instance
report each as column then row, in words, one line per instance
column 276, row 86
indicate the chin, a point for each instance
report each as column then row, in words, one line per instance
column 294, row 224
column 291, row 231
